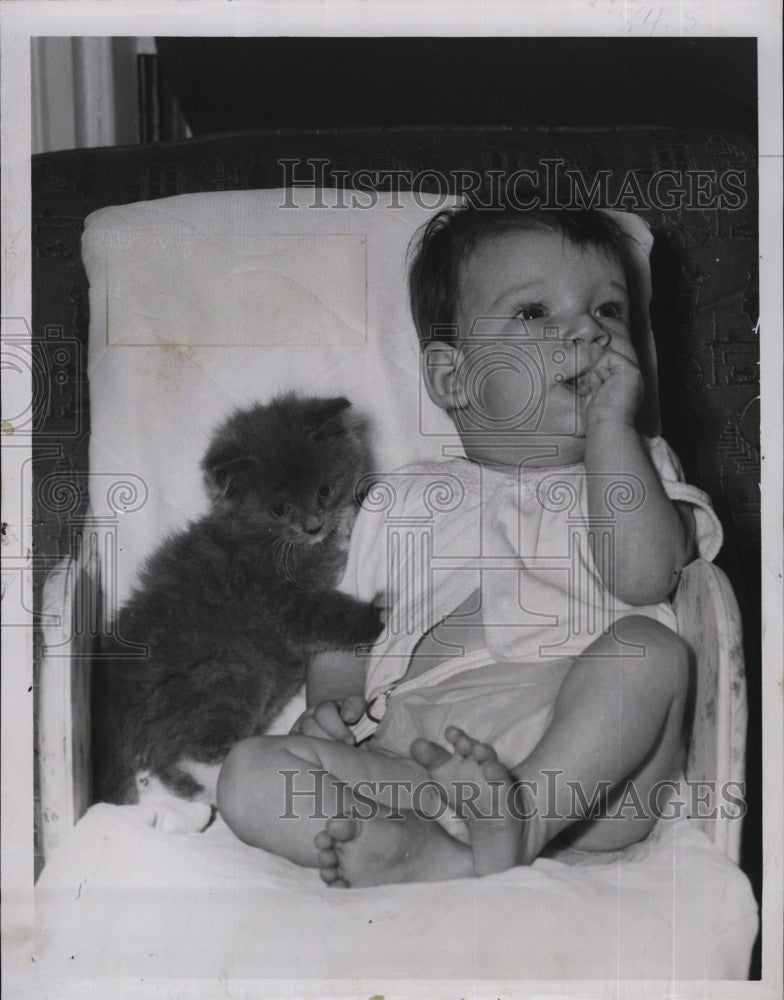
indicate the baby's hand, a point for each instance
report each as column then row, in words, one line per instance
column 615, row 390
column 330, row 721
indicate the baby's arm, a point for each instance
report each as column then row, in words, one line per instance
column 653, row 541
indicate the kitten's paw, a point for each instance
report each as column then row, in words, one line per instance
column 370, row 623
column 380, row 602
column 159, row 807
column 184, row 817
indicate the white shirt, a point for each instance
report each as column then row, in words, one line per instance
column 431, row 535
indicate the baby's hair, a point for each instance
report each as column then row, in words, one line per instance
column 440, row 249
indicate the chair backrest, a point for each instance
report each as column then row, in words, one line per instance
column 167, row 363
column 70, row 617
column 709, row 622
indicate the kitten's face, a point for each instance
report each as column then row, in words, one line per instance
column 309, row 511
column 291, row 469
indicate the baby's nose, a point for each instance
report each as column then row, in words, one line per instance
column 584, row 331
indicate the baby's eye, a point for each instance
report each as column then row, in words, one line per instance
column 324, row 492
column 530, row 311
column 279, row 509
column 611, row 310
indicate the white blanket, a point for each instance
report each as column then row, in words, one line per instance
column 672, row 908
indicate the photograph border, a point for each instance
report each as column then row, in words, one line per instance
column 21, row 21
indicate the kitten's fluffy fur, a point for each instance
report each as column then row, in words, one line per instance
column 232, row 609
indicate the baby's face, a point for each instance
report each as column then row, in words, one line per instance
column 535, row 313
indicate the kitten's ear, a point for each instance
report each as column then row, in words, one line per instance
column 330, row 419
column 221, row 466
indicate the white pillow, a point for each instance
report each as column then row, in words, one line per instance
column 206, row 302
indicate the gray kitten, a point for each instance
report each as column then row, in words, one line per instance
column 232, row 609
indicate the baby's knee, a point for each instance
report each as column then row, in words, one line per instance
column 236, row 780
column 662, row 656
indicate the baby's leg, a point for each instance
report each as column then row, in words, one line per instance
column 280, row 792
column 617, row 725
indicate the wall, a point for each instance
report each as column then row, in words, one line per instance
column 84, row 91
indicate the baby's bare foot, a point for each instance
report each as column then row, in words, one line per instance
column 482, row 792
column 385, row 850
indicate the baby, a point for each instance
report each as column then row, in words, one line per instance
column 528, row 693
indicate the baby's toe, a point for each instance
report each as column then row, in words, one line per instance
column 328, row 859
column 493, row 770
column 323, row 841
column 428, row 755
column 331, row 876
column 341, row 829
column 483, row 753
column 467, row 746
column 462, row 743
column 453, row 734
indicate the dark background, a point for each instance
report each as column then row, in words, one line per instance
column 231, row 84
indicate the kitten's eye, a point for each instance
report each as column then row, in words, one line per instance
column 611, row 310
column 530, row 311
column 278, row 509
column 324, row 492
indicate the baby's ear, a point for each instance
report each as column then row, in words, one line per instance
column 441, row 375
